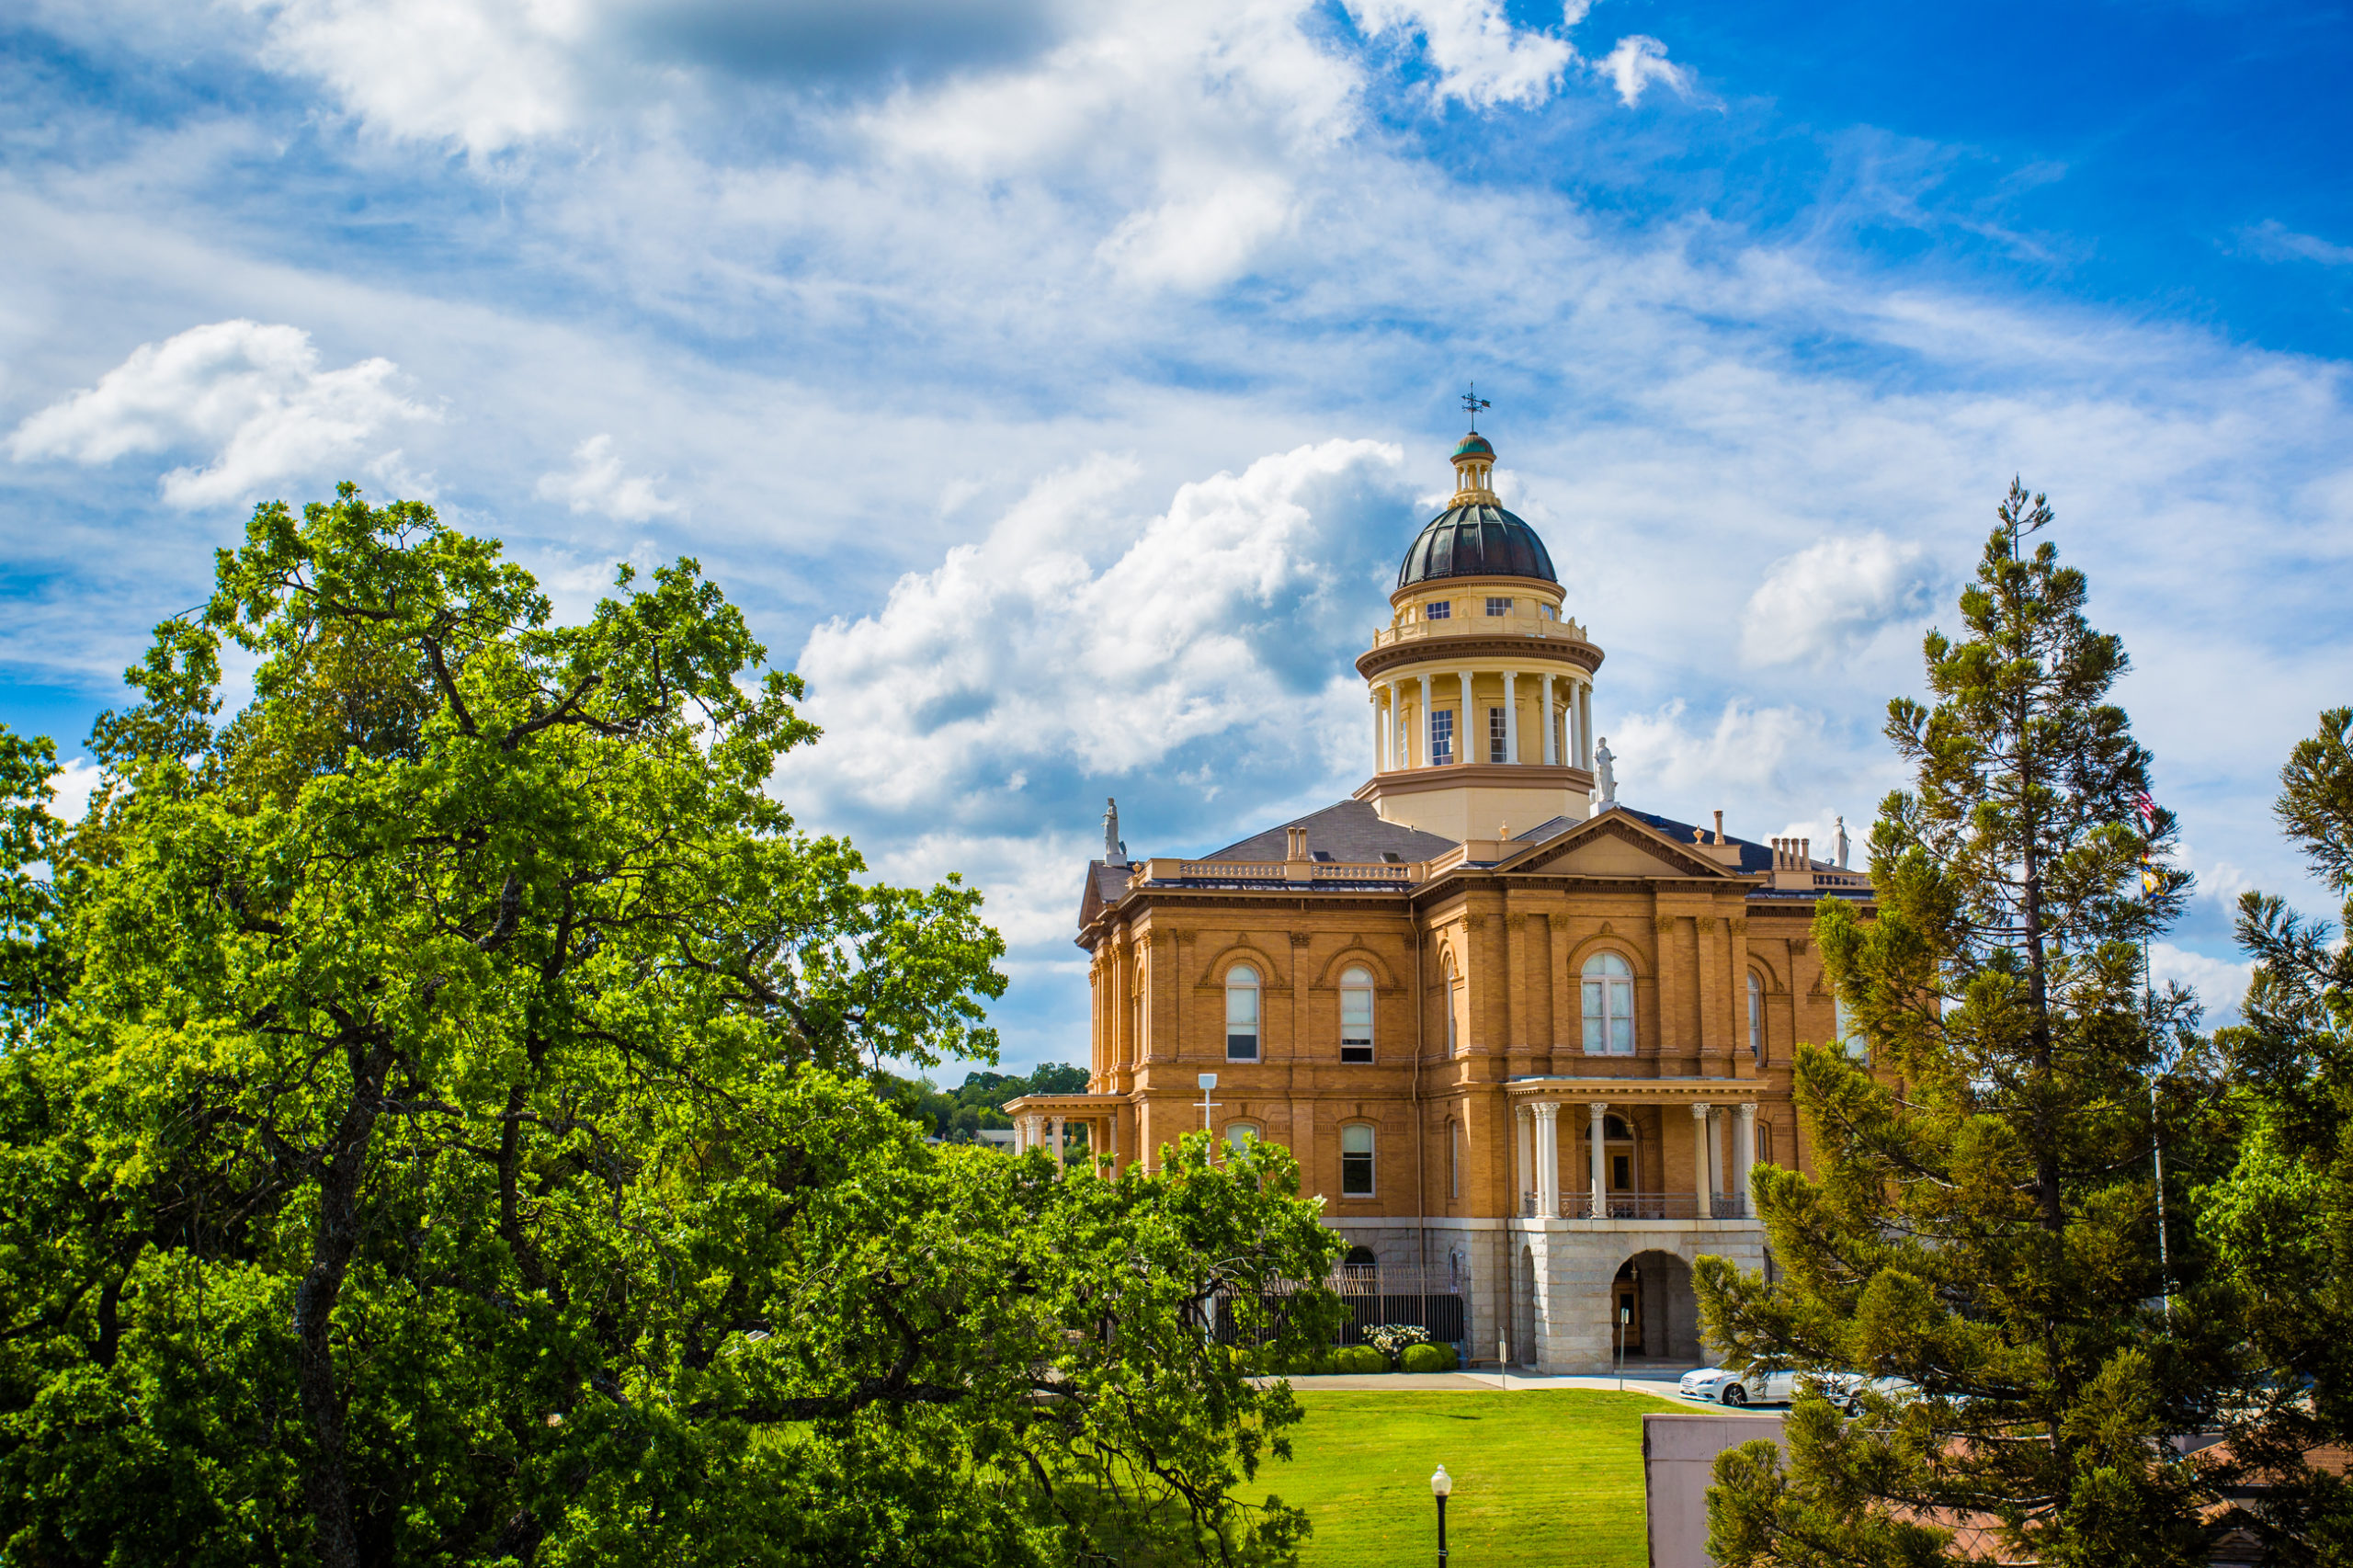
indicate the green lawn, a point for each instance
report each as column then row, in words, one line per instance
column 1542, row 1479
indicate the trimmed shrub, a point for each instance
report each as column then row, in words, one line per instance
column 1428, row 1359
column 1358, row 1358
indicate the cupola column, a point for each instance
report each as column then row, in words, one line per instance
column 1511, row 716
column 1464, row 728
column 1584, row 726
column 1551, row 750
column 1377, row 727
column 1423, row 724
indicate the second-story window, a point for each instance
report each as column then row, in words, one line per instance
column 1242, row 1014
column 1356, row 1161
column 1756, row 1018
column 1241, row 1135
column 1498, row 606
column 1609, row 1006
column 1439, row 610
column 1441, row 737
column 1356, row 1015
column 1498, row 736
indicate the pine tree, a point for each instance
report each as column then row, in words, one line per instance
column 1981, row 1233
column 2281, row 1217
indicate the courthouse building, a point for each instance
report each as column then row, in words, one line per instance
column 1522, row 1037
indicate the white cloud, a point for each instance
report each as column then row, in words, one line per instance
column 2274, row 241
column 1746, row 750
column 1481, row 58
column 1833, row 597
column 1638, row 60
column 253, row 393
column 1199, row 243
column 597, row 482
column 1019, row 656
column 487, row 73
column 2220, row 984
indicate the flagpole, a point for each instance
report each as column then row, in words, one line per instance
column 2148, row 809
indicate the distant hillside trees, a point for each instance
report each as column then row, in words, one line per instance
column 957, row 1115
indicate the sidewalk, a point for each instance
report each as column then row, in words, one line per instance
column 1659, row 1384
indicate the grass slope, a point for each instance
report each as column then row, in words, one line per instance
column 1542, row 1479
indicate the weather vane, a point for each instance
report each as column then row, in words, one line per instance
column 1472, row 404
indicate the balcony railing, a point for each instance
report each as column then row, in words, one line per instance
column 1530, row 626
column 1644, row 1206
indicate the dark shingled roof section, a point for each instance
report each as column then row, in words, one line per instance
column 1476, row 541
column 1351, row 830
column 1753, row 856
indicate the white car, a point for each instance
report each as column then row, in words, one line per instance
column 1846, row 1390
column 1716, row 1385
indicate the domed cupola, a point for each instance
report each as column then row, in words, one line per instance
column 1475, row 536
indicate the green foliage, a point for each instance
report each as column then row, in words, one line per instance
column 2281, row 1216
column 32, row 960
column 1358, row 1360
column 1392, row 1338
column 445, row 1144
column 956, row 1115
column 1427, row 1358
column 1983, row 1221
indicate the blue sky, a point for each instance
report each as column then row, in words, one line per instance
column 1056, row 385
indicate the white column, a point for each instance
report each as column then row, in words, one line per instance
column 1600, row 1177
column 1551, row 750
column 1700, row 1159
column 1744, row 1155
column 1527, row 1167
column 1463, row 752
column 1376, row 730
column 1584, row 726
column 1424, row 727
column 1548, row 1159
column 1511, row 716
column 1390, row 728
column 1055, row 1127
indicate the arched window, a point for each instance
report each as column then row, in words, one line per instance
column 1355, row 1160
column 1755, row 1017
column 1453, row 1158
column 1609, row 1006
column 1849, row 1036
column 1356, row 1015
column 1242, row 1014
column 1240, row 1136
column 1763, row 1142
column 1450, row 994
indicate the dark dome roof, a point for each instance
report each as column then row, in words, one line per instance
column 1476, row 541
column 1474, row 443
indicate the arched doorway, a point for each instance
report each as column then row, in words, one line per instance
column 1663, row 1311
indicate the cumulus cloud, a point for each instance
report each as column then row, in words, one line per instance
column 1019, row 656
column 597, row 483
column 253, row 393
column 1746, row 750
column 2220, row 984
column 1203, row 241
column 1635, row 62
column 1833, row 597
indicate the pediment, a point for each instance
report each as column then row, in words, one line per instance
column 1615, row 846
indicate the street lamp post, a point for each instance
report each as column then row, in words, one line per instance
column 1440, row 1484
column 1207, row 1081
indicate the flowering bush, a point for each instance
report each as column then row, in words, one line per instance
column 1391, row 1339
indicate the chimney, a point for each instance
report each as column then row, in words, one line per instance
column 1720, row 827
column 1295, row 841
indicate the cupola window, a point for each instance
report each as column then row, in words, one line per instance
column 1355, row 1160
column 1609, row 1006
column 1498, row 736
column 1356, row 1015
column 1242, row 1014
column 1439, row 610
column 1441, row 737
column 1498, row 606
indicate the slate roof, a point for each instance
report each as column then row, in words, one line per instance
column 1476, row 541
column 1350, row 830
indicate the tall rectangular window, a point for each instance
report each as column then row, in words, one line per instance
column 1498, row 736
column 1242, row 1014
column 1498, row 606
column 1441, row 610
column 1356, row 1161
column 1356, row 1015
column 1453, row 1159
column 1441, row 737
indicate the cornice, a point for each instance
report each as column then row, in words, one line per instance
column 1448, row 651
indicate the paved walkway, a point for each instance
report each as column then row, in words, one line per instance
column 1657, row 1384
